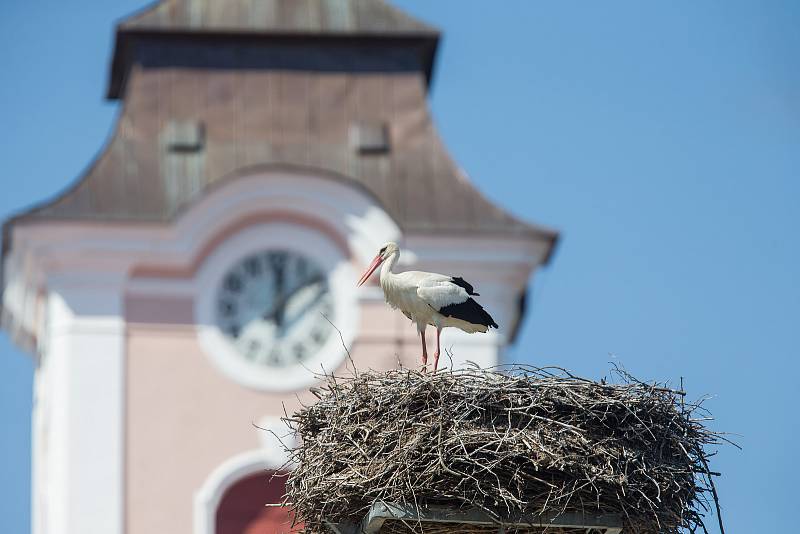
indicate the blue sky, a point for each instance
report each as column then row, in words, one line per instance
column 662, row 139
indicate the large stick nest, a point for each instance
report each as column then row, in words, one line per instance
column 521, row 443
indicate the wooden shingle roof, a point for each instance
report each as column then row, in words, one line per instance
column 301, row 120
column 369, row 22
column 309, row 17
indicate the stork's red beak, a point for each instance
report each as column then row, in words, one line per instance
column 371, row 269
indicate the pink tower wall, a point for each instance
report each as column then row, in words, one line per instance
column 184, row 418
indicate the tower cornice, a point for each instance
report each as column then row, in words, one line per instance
column 320, row 24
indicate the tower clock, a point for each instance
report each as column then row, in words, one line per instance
column 276, row 308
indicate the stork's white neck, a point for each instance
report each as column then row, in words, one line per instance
column 386, row 268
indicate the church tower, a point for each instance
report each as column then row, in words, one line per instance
column 198, row 275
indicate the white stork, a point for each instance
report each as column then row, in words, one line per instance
column 429, row 299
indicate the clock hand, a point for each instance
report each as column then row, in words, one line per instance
column 296, row 315
column 278, row 310
column 280, row 296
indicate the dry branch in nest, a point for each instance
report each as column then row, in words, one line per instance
column 525, row 442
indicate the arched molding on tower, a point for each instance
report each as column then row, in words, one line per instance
column 341, row 209
column 207, row 498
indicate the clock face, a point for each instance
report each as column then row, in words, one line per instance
column 275, row 307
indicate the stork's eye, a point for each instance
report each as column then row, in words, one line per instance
column 382, row 251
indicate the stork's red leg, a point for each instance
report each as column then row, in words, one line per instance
column 424, row 351
column 438, row 350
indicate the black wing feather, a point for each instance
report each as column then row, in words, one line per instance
column 469, row 311
column 457, row 280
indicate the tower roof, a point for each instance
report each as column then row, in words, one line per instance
column 307, row 17
column 302, row 21
column 203, row 104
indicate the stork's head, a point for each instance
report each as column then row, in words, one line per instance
column 386, row 251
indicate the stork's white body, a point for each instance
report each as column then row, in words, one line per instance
column 429, row 299
column 419, row 295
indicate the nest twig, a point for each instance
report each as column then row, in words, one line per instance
column 523, row 442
